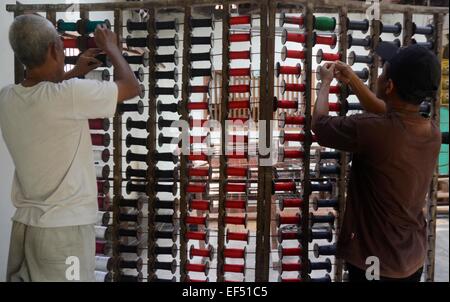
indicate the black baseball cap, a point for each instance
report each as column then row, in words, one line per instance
column 414, row 69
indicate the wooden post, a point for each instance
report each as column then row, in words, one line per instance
column 407, row 27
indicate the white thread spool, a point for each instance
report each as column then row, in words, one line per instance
column 103, row 276
column 101, row 155
column 99, row 75
column 102, row 171
column 103, row 263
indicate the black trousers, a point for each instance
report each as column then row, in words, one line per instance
column 358, row 275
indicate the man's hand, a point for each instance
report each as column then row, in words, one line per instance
column 105, row 39
column 327, row 73
column 87, row 62
column 343, row 72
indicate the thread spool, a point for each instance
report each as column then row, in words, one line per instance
column 201, row 252
column 197, row 235
column 283, row 186
column 295, row 87
column 324, row 233
column 240, row 20
column 325, row 40
column 326, row 56
column 103, row 276
column 104, row 203
column 102, row 172
column 99, row 75
column 290, row 267
column 324, row 250
column 173, row 91
column 236, row 188
column 198, row 23
column 395, row 29
column 428, row 44
column 99, row 124
column 139, row 74
column 169, row 75
column 202, row 56
column 101, row 155
column 208, row 40
column 136, row 203
column 201, row 72
column 237, row 236
column 295, row 70
column 292, row 54
column 166, row 265
column 427, row 30
column 165, row 204
column 290, row 203
column 240, row 55
column 143, row 59
column 236, row 220
column 161, row 107
column 167, row 42
column 239, row 104
column 362, row 25
column 196, row 188
column 354, row 58
column 324, row 23
column 285, row 104
column 292, row 37
column 240, row 37
column 167, row 58
column 291, row 154
column 295, row 20
column 192, row 106
column 234, row 268
column 285, row 219
column 239, row 72
column 289, row 251
column 199, row 268
column 313, row 219
column 323, row 265
column 365, row 42
column 104, row 264
column 239, row 88
column 100, row 139
column 199, row 204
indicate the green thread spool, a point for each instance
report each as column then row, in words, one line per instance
column 92, row 25
column 66, row 26
column 324, row 23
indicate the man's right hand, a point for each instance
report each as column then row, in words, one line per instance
column 105, row 39
column 343, row 72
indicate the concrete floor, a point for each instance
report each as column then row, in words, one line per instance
column 442, row 247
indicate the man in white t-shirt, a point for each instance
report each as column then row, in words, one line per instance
column 44, row 122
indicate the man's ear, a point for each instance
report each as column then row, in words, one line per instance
column 53, row 51
column 390, row 87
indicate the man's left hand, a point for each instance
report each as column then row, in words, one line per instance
column 87, row 62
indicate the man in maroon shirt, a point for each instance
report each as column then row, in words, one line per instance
column 395, row 150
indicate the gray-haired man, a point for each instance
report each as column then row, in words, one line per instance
column 44, row 121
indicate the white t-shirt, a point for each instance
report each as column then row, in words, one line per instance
column 46, row 130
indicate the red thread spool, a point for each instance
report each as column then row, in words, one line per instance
column 197, row 106
column 102, row 187
column 240, row 155
column 284, row 219
column 199, row 204
column 238, row 119
column 291, row 251
column 235, row 204
column 235, row 188
column 293, row 154
column 199, row 89
column 199, row 220
column 237, row 20
column 294, row 120
column 234, row 253
column 198, row 172
column 297, row 20
column 201, row 157
column 287, row 104
column 198, row 139
column 326, row 40
column 197, row 123
column 239, row 55
column 70, row 43
column 292, row 54
column 100, row 139
column 197, row 267
column 99, row 124
column 236, row 171
column 104, row 202
column 196, row 188
column 335, row 107
column 100, row 247
column 326, row 56
column 239, row 88
column 335, row 89
column 291, row 267
column 291, row 280
column 237, row 236
column 288, row 236
column 246, row 37
column 239, row 72
column 297, row 69
column 284, row 186
column 236, row 220
column 192, row 235
column 299, row 137
column 196, row 252
column 245, row 104
column 238, row 139
column 291, row 202
column 292, row 37
column 234, row 268
column 293, row 87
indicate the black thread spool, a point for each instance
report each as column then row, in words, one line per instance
column 325, row 279
column 324, row 250
column 136, row 203
column 198, row 23
column 138, row 141
column 165, row 204
column 428, row 44
column 136, row 107
column 327, row 170
column 130, row 249
column 163, row 123
column 130, row 156
column 131, row 187
column 322, row 187
column 166, row 266
column 165, row 218
column 362, row 25
column 131, row 278
column 131, row 264
column 167, row 140
column 395, row 29
column 106, row 62
column 203, row 40
column 131, row 124
column 313, row 219
column 354, row 58
column 173, row 188
column 138, row 173
column 167, row 58
column 323, row 155
column 363, row 74
column 201, row 72
column 322, row 265
column 202, row 56
column 444, row 138
column 138, row 60
column 167, row 91
column 168, row 75
column 137, row 42
column 162, row 175
column 427, row 30
column 395, row 42
column 166, row 235
column 155, row 278
column 137, row 26
column 166, row 250
column 160, row 107
column 165, row 156
column 139, row 74
column 161, row 42
column 136, row 218
column 167, row 25
column 136, row 233
column 365, row 42
column 324, row 203
column 141, row 91
column 324, row 233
